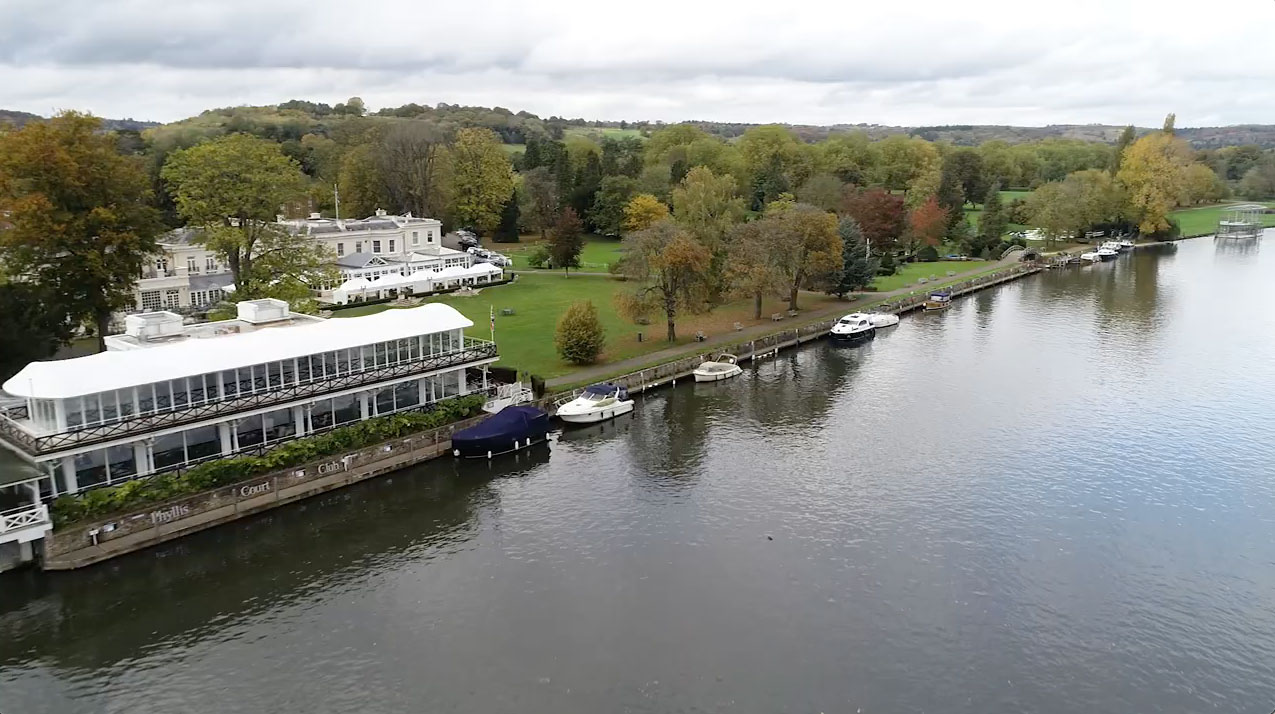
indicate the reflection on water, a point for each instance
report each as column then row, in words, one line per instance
column 1053, row 496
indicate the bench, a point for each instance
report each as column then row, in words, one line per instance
column 739, row 326
column 700, row 336
column 506, row 311
column 776, row 317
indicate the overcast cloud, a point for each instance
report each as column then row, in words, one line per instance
column 907, row 63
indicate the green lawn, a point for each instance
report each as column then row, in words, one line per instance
column 910, row 273
column 1203, row 221
column 974, row 214
column 597, row 133
column 598, row 254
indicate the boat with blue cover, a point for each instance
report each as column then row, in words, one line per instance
column 510, row 429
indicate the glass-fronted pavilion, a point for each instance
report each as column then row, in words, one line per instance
column 165, row 395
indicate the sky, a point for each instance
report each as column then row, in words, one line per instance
column 922, row 62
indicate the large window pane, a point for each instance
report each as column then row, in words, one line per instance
column 146, row 399
column 321, row 414
column 197, row 393
column 249, row 430
column 92, row 413
column 202, row 442
column 121, row 462
column 180, row 396
column 276, row 375
column 406, row 394
column 110, row 410
column 90, row 468
column 229, row 384
column 385, row 400
column 289, row 372
column 163, row 398
column 342, row 362
column 345, row 409
column 168, row 450
column 303, row 370
column 279, row 424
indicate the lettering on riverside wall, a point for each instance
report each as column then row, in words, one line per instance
column 255, row 489
column 332, row 467
column 167, row 514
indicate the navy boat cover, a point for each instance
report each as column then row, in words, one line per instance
column 498, row 433
column 604, row 389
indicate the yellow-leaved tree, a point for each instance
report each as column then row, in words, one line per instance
column 1153, row 171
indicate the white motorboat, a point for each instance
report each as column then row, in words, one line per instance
column 855, row 327
column 883, row 319
column 1126, row 244
column 1113, row 245
column 1092, row 256
column 597, row 403
column 724, row 367
column 1107, row 254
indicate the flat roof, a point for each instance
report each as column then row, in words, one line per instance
column 105, row 371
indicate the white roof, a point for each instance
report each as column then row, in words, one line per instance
column 128, row 368
column 354, row 284
column 484, row 269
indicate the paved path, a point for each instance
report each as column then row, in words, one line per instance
column 669, row 354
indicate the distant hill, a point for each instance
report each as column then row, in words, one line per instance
column 18, row 119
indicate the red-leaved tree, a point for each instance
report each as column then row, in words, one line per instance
column 880, row 215
column 926, row 225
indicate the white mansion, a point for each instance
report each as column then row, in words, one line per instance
column 166, row 395
column 186, row 276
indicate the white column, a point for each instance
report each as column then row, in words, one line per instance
column 461, row 387
column 364, row 411
column 68, row 475
column 225, row 432
column 298, row 420
column 59, row 413
column 142, row 457
column 484, row 378
column 422, row 390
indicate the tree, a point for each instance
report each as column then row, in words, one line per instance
column 769, row 182
column 671, row 271
column 1259, row 181
column 588, row 179
column 579, row 337
column 899, row 160
column 706, row 205
column 994, row 221
column 362, row 185
column 966, row 166
column 1202, row 185
column 80, row 227
column 951, row 196
column 412, row 160
column 565, row 241
column 858, row 267
column 752, row 268
column 540, row 194
column 507, row 231
column 1068, row 208
column 927, row 225
column 1169, row 121
column 613, row 195
column 1126, row 138
column 644, row 211
column 821, row 190
column 812, row 248
column 33, row 325
column 1153, row 172
column 481, row 179
column 231, row 188
column 880, row 215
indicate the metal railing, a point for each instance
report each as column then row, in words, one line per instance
column 33, row 516
column 13, row 432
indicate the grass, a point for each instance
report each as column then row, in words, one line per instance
column 597, row 256
column 539, row 299
column 1203, row 220
column 908, row 274
column 597, row 133
column 974, row 214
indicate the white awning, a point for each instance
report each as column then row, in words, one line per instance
column 354, row 284
column 129, row 368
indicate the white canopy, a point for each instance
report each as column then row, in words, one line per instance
column 129, row 368
column 354, row 284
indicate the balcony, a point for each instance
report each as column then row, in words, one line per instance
column 25, row 524
column 16, row 434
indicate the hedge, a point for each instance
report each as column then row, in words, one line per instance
column 130, row 495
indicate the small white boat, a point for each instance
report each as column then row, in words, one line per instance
column 1107, row 254
column 1092, row 256
column 883, row 319
column 855, row 327
column 1125, row 244
column 598, row 402
column 724, row 367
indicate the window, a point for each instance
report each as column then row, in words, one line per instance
column 172, row 298
column 429, row 236
column 391, row 245
column 150, row 300
column 340, row 249
column 191, row 265
column 376, row 246
column 210, row 263
column 161, row 265
column 198, row 298
column 358, row 246
column 416, row 238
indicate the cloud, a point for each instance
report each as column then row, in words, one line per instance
column 987, row 61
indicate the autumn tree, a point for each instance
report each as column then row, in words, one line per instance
column 671, row 273
column 1153, row 171
column 80, row 226
column 481, row 179
column 811, row 247
column 413, row 158
column 1259, row 181
column 613, row 195
column 858, row 267
column 1068, row 208
column 927, row 225
column 1202, row 185
column 566, row 240
column 899, row 160
column 966, row 165
column 707, row 206
column 752, row 267
column 540, row 200
column 1126, row 138
column 880, row 215
column 644, row 211
column 231, row 189
column 579, row 336
column 822, row 191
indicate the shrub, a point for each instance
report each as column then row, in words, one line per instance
column 887, row 266
column 538, row 257
column 579, row 337
column 222, row 472
column 927, row 254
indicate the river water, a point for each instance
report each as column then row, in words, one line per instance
column 1057, row 496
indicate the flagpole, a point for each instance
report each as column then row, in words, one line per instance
column 493, row 322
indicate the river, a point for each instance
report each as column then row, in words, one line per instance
column 1057, row 496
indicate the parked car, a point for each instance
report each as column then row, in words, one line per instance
column 467, row 239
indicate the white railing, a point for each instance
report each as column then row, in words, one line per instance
column 24, row 518
column 508, row 395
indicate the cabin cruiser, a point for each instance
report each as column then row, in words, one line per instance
column 855, row 327
column 1115, row 245
column 598, row 402
column 1105, row 253
column 510, row 429
column 939, row 300
column 883, row 319
column 724, row 367
column 1092, row 256
column 1126, row 244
